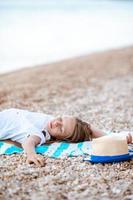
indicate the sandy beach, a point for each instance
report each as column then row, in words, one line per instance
column 99, row 89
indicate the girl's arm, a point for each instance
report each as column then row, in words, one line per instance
column 29, row 148
column 98, row 133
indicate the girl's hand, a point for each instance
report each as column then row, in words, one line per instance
column 36, row 159
column 129, row 138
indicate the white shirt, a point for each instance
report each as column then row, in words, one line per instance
column 18, row 124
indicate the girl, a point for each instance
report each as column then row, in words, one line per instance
column 31, row 129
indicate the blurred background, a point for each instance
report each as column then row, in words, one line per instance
column 36, row 32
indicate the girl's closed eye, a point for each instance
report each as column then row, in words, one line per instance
column 60, row 119
column 62, row 129
column 62, row 125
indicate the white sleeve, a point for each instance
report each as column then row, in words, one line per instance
column 30, row 129
column 34, row 131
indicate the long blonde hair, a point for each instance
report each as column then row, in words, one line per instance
column 82, row 132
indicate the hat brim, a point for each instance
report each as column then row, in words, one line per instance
column 109, row 159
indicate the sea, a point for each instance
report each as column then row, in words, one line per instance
column 34, row 32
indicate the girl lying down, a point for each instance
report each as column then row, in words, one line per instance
column 31, row 129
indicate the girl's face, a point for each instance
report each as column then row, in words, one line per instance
column 61, row 127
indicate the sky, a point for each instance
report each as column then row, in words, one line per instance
column 36, row 32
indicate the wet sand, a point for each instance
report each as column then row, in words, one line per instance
column 98, row 88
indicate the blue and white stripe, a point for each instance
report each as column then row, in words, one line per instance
column 54, row 150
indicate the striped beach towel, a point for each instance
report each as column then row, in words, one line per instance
column 54, row 150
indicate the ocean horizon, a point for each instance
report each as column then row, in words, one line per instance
column 40, row 32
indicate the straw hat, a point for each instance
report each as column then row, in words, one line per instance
column 109, row 148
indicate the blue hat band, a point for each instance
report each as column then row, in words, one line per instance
column 108, row 159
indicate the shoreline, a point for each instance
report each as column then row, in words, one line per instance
column 65, row 59
column 99, row 89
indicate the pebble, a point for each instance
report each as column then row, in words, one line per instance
column 101, row 95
